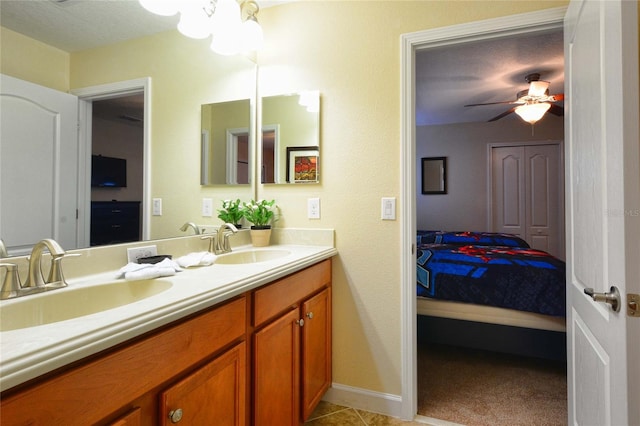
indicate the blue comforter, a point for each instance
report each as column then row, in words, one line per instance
column 467, row 237
column 508, row 277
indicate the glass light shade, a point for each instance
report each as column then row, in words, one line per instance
column 195, row 24
column 532, row 112
column 226, row 44
column 161, row 7
column 252, row 35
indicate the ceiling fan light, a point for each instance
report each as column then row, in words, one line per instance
column 532, row 112
column 161, row 7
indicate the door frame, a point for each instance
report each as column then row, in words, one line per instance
column 86, row 96
column 481, row 30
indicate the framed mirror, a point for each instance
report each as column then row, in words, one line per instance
column 290, row 138
column 434, row 175
column 225, row 143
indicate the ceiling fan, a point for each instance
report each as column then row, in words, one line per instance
column 532, row 103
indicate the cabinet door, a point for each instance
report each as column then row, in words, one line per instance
column 277, row 372
column 212, row 395
column 316, row 350
column 132, row 418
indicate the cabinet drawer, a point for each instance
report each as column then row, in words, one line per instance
column 280, row 295
column 94, row 390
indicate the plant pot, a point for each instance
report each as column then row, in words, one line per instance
column 260, row 236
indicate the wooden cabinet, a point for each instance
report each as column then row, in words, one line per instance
column 291, row 346
column 198, row 370
column 212, row 395
column 111, row 388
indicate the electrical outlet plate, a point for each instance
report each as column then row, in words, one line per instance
column 135, row 253
column 207, row 207
column 313, row 208
column 157, row 206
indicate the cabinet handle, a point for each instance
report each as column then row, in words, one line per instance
column 175, row 415
column 309, row 315
column 300, row 322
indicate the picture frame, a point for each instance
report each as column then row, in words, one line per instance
column 434, row 175
column 302, row 164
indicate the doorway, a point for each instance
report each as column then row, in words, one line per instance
column 550, row 19
column 87, row 97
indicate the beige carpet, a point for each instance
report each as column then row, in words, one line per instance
column 479, row 388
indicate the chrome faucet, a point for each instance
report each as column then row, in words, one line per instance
column 221, row 244
column 195, row 227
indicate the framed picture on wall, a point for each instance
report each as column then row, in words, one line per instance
column 434, row 175
column 302, row 164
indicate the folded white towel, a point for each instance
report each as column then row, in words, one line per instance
column 134, row 271
column 201, row 258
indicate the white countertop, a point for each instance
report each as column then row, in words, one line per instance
column 30, row 352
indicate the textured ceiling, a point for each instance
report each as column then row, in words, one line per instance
column 447, row 78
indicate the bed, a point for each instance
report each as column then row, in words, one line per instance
column 489, row 277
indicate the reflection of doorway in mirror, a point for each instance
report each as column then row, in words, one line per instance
column 270, row 142
column 237, row 156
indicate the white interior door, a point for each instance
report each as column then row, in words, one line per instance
column 38, row 165
column 602, row 194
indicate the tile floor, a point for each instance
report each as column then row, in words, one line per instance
column 331, row 414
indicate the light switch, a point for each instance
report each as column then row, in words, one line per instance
column 157, row 206
column 388, row 208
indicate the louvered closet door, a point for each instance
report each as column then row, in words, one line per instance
column 526, row 191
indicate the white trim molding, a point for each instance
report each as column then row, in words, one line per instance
column 363, row 399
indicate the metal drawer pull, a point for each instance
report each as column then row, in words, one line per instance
column 612, row 297
column 300, row 322
column 309, row 315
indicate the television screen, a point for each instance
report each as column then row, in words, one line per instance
column 108, row 172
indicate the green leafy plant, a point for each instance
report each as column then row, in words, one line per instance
column 260, row 213
column 231, row 212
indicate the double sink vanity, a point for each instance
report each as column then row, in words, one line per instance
column 246, row 340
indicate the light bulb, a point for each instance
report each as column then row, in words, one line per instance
column 195, row 23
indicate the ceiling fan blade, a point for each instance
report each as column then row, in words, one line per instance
column 556, row 98
column 538, row 88
column 495, row 103
column 504, row 114
column 556, row 110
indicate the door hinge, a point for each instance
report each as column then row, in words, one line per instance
column 633, row 300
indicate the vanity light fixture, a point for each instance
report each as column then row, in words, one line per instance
column 233, row 26
column 532, row 112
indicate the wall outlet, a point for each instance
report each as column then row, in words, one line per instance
column 157, row 206
column 207, row 207
column 313, row 208
column 135, row 253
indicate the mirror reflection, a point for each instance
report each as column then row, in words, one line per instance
column 226, row 153
column 291, row 138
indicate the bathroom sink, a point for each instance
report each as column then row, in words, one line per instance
column 59, row 305
column 251, row 256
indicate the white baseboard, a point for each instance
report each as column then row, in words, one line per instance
column 363, row 399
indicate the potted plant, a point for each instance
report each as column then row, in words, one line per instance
column 231, row 212
column 260, row 214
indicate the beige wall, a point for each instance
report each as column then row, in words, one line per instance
column 350, row 51
column 28, row 59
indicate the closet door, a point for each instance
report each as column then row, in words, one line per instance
column 526, row 194
column 508, row 189
column 542, row 189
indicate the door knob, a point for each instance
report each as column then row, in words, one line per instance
column 612, row 297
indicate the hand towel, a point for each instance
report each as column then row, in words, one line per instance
column 202, row 258
column 145, row 271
